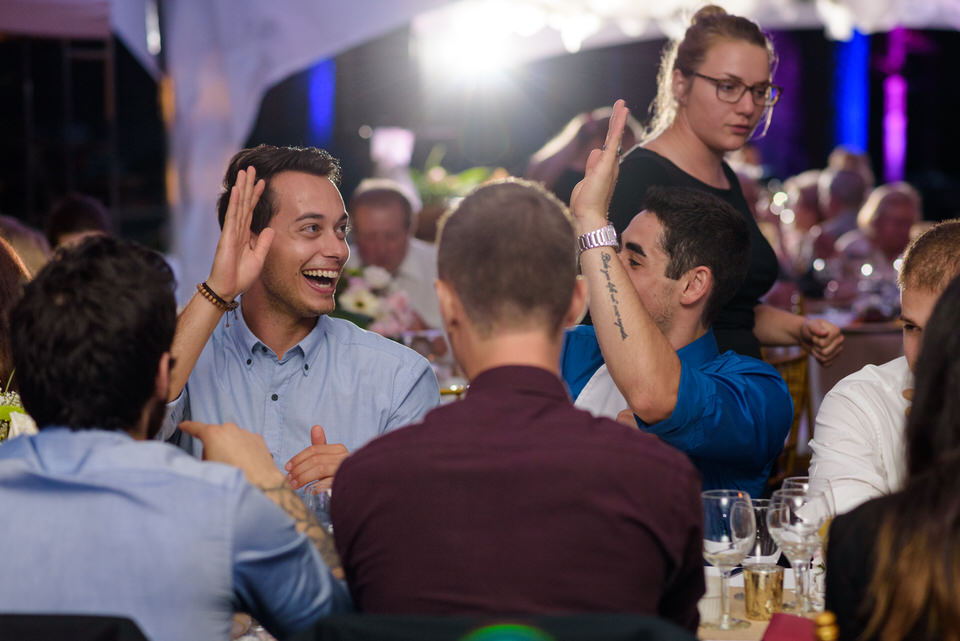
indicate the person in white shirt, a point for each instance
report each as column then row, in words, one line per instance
column 383, row 222
column 858, row 436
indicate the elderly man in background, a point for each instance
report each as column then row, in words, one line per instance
column 858, row 438
column 383, row 221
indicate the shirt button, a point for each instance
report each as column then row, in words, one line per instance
column 249, row 361
column 274, row 397
column 306, row 366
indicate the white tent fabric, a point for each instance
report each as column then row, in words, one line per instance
column 222, row 56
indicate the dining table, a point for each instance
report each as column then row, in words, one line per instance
column 710, row 610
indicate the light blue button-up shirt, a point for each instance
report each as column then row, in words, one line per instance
column 356, row 384
column 94, row 522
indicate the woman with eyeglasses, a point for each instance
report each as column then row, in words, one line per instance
column 714, row 91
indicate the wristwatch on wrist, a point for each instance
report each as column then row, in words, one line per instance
column 603, row 237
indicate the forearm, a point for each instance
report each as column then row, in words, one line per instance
column 194, row 328
column 640, row 359
column 774, row 326
column 276, row 488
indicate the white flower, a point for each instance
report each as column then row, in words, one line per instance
column 376, row 277
column 360, row 301
column 21, row 424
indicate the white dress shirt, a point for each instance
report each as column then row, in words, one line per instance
column 858, row 438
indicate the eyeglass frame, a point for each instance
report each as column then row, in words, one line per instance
column 716, row 83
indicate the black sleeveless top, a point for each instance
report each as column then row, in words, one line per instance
column 642, row 168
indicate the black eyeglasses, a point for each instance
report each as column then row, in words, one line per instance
column 731, row 90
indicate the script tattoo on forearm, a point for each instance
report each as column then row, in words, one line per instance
column 612, row 289
column 284, row 496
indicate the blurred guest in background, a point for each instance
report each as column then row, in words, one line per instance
column 383, row 220
column 29, row 243
column 102, row 519
column 559, row 165
column 714, row 91
column 74, row 217
column 883, row 226
column 858, row 440
column 13, row 276
column 804, row 206
column 475, row 510
column 892, row 562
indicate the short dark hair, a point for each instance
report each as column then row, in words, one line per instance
column 509, row 251
column 270, row 161
column 76, row 213
column 89, row 332
column 700, row 229
column 382, row 192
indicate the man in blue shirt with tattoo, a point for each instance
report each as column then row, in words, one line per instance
column 650, row 358
column 316, row 388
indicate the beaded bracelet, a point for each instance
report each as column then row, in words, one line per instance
column 212, row 296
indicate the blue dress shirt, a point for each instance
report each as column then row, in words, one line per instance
column 732, row 415
column 356, row 384
column 94, row 522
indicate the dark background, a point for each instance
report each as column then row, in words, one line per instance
column 59, row 98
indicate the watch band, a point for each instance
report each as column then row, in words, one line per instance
column 603, row 237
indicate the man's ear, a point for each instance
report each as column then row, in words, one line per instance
column 697, row 285
column 451, row 309
column 578, row 304
column 161, row 384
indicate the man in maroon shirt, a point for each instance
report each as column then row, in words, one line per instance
column 511, row 500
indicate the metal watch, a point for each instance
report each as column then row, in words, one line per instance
column 603, row 237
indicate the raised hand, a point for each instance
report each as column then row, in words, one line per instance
column 591, row 197
column 319, row 462
column 240, row 252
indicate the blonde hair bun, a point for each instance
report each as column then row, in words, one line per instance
column 707, row 12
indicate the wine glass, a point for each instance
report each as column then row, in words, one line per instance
column 729, row 530
column 765, row 549
column 795, row 518
column 815, row 591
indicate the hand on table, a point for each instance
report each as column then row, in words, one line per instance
column 318, row 462
column 822, row 338
column 240, row 252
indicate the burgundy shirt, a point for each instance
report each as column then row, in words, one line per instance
column 513, row 501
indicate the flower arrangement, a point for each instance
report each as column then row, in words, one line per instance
column 367, row 298
column 13, row 420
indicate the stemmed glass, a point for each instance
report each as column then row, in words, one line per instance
column 795, row 518
column 729, row 530
column 821, row 485
column 765, row 550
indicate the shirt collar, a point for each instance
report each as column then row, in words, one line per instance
column 519, row 378
column 248, row 343
column 701, row 351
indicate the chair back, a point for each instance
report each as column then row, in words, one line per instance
column 75, row 627
column 574, row 627
column 793, row 365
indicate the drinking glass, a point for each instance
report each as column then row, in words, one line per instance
column 729, row 530
column 817, row 578
column 765, row 549
column 795, row 518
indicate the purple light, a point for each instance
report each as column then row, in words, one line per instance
column 895, row 108
column 894, row 127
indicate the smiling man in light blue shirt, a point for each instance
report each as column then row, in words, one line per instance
column 271, row 361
